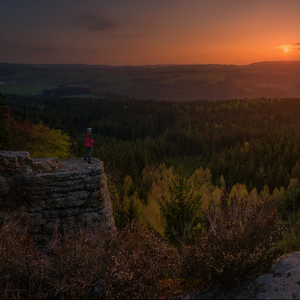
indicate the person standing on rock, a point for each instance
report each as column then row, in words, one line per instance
column 89, row 143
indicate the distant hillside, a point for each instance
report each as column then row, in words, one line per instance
column 161, row 82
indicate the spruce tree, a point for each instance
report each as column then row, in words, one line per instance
column 180, row 210
column 4, row 135
column 132, row 211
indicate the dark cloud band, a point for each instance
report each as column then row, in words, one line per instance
column 95, row 23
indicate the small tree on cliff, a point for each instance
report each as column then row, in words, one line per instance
column 180, row 210
column 39, row 139
column 4, row 135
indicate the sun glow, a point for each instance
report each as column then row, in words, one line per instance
column 287, row 48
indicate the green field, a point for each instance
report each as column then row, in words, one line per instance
column 24, row 88
column 83, row 96
column 116, row 81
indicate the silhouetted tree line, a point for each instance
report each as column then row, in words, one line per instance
column 66, row 91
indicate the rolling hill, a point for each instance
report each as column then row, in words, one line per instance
column 161, row 82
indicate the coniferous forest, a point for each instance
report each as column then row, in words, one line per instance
column 168, row 161
column 250, row 142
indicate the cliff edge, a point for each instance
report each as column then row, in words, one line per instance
column 66, row 191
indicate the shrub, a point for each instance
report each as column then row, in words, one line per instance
column 90, row 263
column 239, row 241
column 82, row 263
column 142, row 260
column 79, row 263
column 22, row 268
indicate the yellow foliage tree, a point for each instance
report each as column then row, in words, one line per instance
column 40, row 140
column 239, row 191
column 46, row 142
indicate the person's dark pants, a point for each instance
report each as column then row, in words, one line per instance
column 88, row 154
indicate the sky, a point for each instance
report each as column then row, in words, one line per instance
column 149, row 32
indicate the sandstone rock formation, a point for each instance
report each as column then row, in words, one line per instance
column 284, row 280
column 68, row 191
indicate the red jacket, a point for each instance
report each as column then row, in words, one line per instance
column 89, row 141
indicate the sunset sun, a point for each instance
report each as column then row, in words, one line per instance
column 288, row 48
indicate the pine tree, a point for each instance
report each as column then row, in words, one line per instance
column 179, row 210
column 120, row 215
column 133, row 211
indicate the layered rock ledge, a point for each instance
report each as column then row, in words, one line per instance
column 66, row 191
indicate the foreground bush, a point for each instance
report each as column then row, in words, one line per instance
column 23, row 268
column 239, row 241
column 92, row 264
column 83, row 263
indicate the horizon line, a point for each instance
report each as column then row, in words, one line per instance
column 152, row 65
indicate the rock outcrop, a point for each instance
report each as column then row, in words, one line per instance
column 284, row 280
column 67, row 191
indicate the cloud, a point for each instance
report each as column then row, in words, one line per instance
column 296, row 48
column 14, row 46
column 94, row 23
column 289, row 47
column 17, row 52
column 18, row 46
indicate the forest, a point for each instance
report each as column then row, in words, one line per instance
column 168, row 161
column 250, row 142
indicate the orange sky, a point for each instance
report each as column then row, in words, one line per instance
column 137, row 32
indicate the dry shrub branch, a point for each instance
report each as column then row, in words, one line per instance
column 239, row 242
column 23, row 269
column 83, row 263
column 141, row 261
